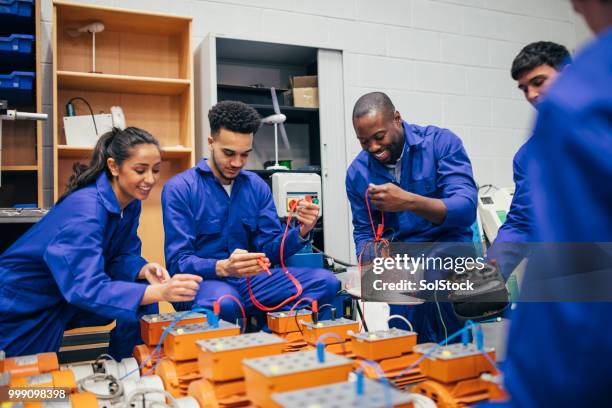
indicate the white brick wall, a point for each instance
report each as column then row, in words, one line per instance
column 443, row 62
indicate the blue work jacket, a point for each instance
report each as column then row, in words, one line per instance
column 434, row 164
column 559, row 352
column 203, row 224
column 508, row 249
column 84, row 253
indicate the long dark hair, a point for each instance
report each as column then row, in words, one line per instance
column 115, row 144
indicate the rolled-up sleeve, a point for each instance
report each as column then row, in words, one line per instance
column 455, row 180
column 180, row 234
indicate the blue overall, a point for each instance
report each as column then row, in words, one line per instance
column 508, row 249
column 76, row 267
column 434, row 164
column 203, row 225
column 559, row 352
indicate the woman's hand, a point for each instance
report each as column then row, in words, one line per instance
column 179, row 288
column 154, row 273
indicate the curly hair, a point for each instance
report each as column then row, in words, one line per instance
column 540, row 53
column 234, row 116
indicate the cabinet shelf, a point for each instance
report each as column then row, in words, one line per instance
column 78, row 152
column 121, row 83
column 19, row 168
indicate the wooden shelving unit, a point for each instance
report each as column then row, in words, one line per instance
column 144, row 65
column 22, row 140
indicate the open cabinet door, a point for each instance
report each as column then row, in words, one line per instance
column 336, row 212
column 205, row 74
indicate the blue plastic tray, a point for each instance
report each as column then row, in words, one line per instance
column 17, row 88
column 21, row 8
column 16, row 44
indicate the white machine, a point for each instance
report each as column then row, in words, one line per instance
column 84, row 130
column 289, row 188
column 493, row 206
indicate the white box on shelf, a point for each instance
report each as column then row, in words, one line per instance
column 80, row 130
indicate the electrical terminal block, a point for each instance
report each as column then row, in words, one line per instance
column 287, row 322
column 26, row 366
column 54, row 379
column 220, row 359
column 152, row 326
column 341, row 327
column 383, row 344
column 287, row 372
column 344, row 394
column 455, row 362
column 180, row 342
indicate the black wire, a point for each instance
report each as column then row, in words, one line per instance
column 90, row 110
column 329, row 256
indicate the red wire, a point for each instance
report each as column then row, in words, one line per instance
column 297, row 284
column 239, row 305
column 300, row 301
column 381, row 226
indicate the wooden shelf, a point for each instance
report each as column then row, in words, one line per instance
column 77, row 152
column 121, row 83
column 19, row 168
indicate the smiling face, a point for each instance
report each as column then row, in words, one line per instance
column 382, row 136
column 229, row 152
column 136, row 176
column 534, row 83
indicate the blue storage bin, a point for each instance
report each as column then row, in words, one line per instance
column 16, row 44
column 21, row 8
column 17, row 88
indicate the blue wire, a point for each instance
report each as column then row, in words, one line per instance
column 157, row 350
column 383, row 380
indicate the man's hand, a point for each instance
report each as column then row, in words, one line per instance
column 241, row 264
column 307, row 214
column 389, row 197
column 154, row 273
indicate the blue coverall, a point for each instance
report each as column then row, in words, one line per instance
column 559, row 352
column 76, row 267
column 203, row 225
column 434, row 164
column 509, row 247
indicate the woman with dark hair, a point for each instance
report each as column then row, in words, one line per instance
column 80, row 265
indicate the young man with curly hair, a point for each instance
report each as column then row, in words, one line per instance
column 221, row 223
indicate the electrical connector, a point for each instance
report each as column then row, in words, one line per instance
column 315, row 311
column 321, row 352
column 359, row 384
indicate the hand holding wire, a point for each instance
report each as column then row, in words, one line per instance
column 154, row 273
column 307, row 215
column 242, row 264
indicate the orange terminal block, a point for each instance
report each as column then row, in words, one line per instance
column 286, row 322
column 180, row 342
column 286, row 372
column 55, row 379
column 25, row 366
column 341, row 327
column 454, row 375
column 343, row 394
column 177, row 375
column 392, row 350
column 221, row 359
column 153, row 325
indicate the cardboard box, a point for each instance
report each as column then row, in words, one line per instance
column 305, row 91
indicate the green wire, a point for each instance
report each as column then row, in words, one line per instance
column 441, row 318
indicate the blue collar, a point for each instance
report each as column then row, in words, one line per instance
column 107, row 195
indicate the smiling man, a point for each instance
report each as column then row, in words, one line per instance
column 221, row 223
column 421, row 178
